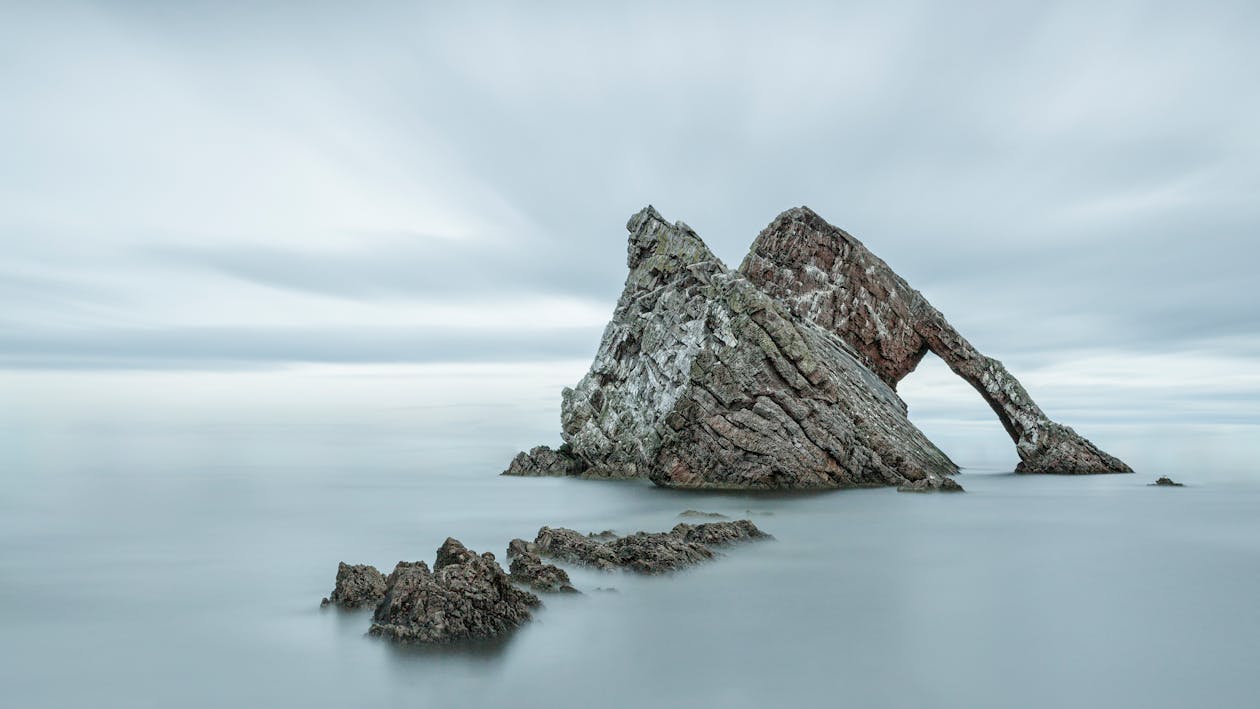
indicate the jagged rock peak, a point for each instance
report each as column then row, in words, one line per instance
column 826, row 276
column 702, row 380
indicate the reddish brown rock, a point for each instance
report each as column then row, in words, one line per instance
column 824, row 275
column 703, row 380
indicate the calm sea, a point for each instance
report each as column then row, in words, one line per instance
column 165, row 540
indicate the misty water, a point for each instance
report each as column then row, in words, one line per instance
column 165, row 541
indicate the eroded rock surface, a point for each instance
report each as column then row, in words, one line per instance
column 541, row 461
column 938, row 485
column 466, row 596
column 703, row 380
column 357, row 585
column 720, row 533
column 645, row 552
column 700, row 513
column 528, row 568
column 826, row 276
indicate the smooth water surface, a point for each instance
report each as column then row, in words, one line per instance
column 153, row 563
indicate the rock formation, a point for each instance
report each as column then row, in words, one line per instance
column 702, row 380
column 825, row 275
column 357, row 585
column 1166, row 482
column 779, row 375
column 543, row 461
column 645, row 552
column 941, row 485
column 528, row 568
column 466, row 596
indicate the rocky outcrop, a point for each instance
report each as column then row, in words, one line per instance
column 466, row 596
column 703, row 380
column 357, row 585
column 940, row 485
column 1166, row 482
column 826, row 276
column 645, row 552
column 526, row 567
column 542, row 461
column 719, row 533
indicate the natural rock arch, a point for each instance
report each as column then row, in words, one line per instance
column 825, row 275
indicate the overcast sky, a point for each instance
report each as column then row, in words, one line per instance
column 212, row 186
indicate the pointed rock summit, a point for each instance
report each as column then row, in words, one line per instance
column 703, row 380
column 779, row 375
column 824, row 275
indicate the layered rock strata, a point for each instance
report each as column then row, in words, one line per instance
column 703, row 380
column 526, row 567
column 824, row 275
column 645, row 552
column 357, row 585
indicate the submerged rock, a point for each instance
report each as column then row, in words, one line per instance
column 357, row 585
column 1166, row 482
column 931, row 485
column 645, row 552
column 698, row 513
column 466, row 596
column 528, row 568
column 826, row 276
column 703, row 380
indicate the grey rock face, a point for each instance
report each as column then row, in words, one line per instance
column 528, row 568
column 645, row 552
column 567, row 545
column 703, row 380
column 465, row 596
column 826, row 276
column 357, row 585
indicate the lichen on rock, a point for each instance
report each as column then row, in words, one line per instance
column 702, row 380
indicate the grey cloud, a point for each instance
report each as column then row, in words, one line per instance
column 1056, row 177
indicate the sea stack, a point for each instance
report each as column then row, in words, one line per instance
column 781, row 374
column 703, row 380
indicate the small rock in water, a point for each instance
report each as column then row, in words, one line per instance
column 357, row 585
column 719, row 533
column 466, row 596
column 526, row 567
column 543, row 461
column 698, row 513
column 1166, row 482
column 931, row 484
